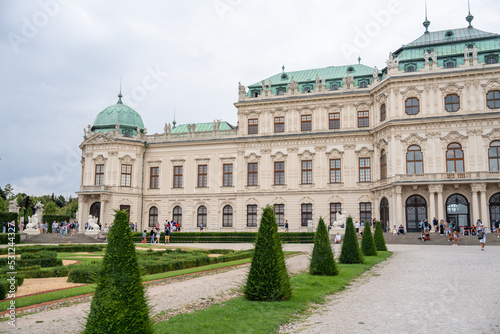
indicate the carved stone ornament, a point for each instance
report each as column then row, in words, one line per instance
column 411, row 92
column 100, row 159
column 306, row 155
column 452, row 88
column 279, row 156
column 334, row 154
column 364, row 152
column 493, row 84
column 127, row 160
column 493, row 135
column 454, row 136
column 252, row 157
column 98, row 138
column 177, row 162
column 306, row 200
column 414, row 139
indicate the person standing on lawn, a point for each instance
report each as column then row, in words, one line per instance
column 481, row 235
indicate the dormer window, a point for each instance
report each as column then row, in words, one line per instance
column 363, row 84
column 449, row 34
column 470, row 46
column 449, row 64
column 306, row 89
column 280, row 91
column 255, row 93
column 127, row 133
column 284, row 76
column 492, row 59
column 335, row 86
column 410, row 69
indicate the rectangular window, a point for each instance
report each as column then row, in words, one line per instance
column 252, row 174
column 363, row 119
column 334, row 170
column 279, row 173
column 335, row 120
column 154, row 176
column 306, row 123
column 306, row 172
column 306, row 214
column 227, row 175
column 279, row 124
column 364, row 170
column 99, row 175
column 334, row 209
column 202, row 176
column 177, row 176
column 252, row 215
column 365, row 212
column 126, row 175
column 253, row 126
column 279, row 214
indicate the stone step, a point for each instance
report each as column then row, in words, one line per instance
column 439, row 239
column 53, row 238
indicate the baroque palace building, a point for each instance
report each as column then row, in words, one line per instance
column 418, row 139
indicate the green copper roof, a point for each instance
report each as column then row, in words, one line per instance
column 331, row 72
column 458, row 35
column 119, row 113
column 202, row 127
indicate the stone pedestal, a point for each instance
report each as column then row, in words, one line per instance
column 310, row 227
column 32, row 232
column 92, row 233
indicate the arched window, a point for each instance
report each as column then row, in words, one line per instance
column 494, row 156
column 414, row 160
column 383, row 112
column 383, row 165
column 455, row 158
column 494, row 208
column 202, row 216
column 416, row 211
column 493, row 99
column 153, row 216
column 177, row 215
column 227, row 216
column 412, row 106
column 452, row 102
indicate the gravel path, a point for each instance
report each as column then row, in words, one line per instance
column 162, row 297
column 433, row 289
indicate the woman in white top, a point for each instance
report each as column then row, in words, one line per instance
column 481, row 234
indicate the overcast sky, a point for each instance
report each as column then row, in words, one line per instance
column 61, row 63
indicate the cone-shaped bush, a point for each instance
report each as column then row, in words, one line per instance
column 367, row 244
column 268, row 278
column 351, row 253
column 119, row 304
column 322, row 261
column 378, row 238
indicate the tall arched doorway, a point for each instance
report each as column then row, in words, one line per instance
column 384, row 212
column 95, row 210
column 416, row 210
column 457, row 210
column 494, row 208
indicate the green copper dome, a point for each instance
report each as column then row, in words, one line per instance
column 121, row 114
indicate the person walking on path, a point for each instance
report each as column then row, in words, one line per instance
column 356, row 226
column 286, row 225
column 481, row 235
column 497, row 225
column 168, row 230
column 456, row 238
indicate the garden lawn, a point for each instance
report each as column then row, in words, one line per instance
column 242, row 316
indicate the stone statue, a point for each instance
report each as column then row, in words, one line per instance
column 392, row 62
column 317, row 80
column 426, row 57
column 323, row 81
column 348, row 81
column 263, row 82
column 167, row 128
column 340, row 219
column 466, row 53
column 32, row 223
column 434, row 57
column 218, row 124
column 38, row 205
column 375, row 73
column 269, row 83
column 474, row 52
column 293, row 86
column 241, row 89
column 93, row 226
column 117, row 127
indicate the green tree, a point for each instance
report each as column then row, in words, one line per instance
column 351, row 253
column 322, row 261
column 119, row 304
column 378, row 238
column 3, row 205
column 9, row 191
column 367, row 244
column 50, row 208
column 268, row 277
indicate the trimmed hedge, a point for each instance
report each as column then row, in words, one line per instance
column 59, row 248
column 5, row 285
column 229, row 237
column 59, row 271
column 378, row 238
column 44, row 258
column 84, row 272
column 322, row 260
column 350, row 253
column 4, row 240
column 367, row 244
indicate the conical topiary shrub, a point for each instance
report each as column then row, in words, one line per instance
column 367, row 244
column 378, row 238
column 322, row 261
column 350, row 248
column 119, row 304
column 268, row 278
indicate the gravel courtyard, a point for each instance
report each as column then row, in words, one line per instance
column 420, row 289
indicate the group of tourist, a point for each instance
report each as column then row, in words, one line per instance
column 6, row 224
column 155, row 233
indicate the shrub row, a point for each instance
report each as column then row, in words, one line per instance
column 59, row 248
column 229, row 237
column 59, row 271
column 86, row 273
column 43, row 258
column 4, row 240
column 5, row 285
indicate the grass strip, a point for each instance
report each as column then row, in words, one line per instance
column 242, row 316
column 73, row 292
